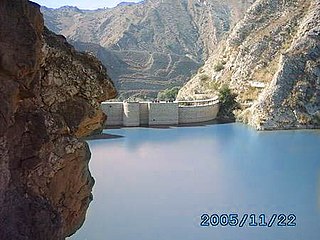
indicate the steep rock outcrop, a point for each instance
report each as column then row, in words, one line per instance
column 49, row 98
column 271, row 60
column 153, row 44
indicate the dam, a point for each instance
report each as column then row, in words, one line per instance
column 164, row 113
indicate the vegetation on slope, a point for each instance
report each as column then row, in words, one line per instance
column 228, row 103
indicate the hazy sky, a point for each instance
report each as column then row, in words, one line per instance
column 83, row 4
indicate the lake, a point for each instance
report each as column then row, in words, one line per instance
column 155, row 184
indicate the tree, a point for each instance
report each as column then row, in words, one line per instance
column 169, row 94
column 228, row 103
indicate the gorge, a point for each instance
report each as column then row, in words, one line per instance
column 151, row 45
column 154, row 183
column 266, row 52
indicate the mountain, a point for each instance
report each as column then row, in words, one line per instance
column 50, row 99
column 151, row 45
column 271, row 60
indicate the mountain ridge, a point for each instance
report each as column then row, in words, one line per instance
column 174, row 37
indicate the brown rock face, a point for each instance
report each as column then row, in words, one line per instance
column 49, row 97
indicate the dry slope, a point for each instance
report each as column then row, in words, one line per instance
column 272, row 60
column 151, row 45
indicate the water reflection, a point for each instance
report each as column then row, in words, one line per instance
column 155, row 183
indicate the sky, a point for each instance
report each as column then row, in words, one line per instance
column 82, row 4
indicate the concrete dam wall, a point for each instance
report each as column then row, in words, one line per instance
column 135, row 114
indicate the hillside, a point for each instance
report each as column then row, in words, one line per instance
column 152, row 45
column 272, row 61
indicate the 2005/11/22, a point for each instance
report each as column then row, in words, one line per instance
column 233, row 220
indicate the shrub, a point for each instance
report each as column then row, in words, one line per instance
column 218, row 67
column 169, row 94
column 317, row 119
column 204, row 77
column 251, row 94
column 228, row 102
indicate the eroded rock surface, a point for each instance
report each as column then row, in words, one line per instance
column 272, row 61
column 49, row 98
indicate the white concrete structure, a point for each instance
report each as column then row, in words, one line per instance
column 257, row 84
column 163, row 113
column 114, row 112
column 135, row 114
column 198, row 114
column 131, row 114
column 144, row 113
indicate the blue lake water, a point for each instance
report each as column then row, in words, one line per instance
column 154, row 184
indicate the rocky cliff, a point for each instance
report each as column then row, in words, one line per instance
column 49, row 98
column 272, row 61
column 152, row 45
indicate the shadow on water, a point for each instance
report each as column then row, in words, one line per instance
column 201, row 124
column 103, row 136
column 212, row 122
